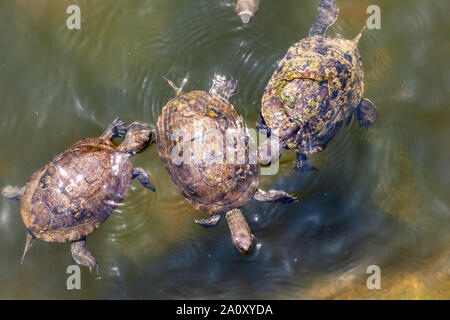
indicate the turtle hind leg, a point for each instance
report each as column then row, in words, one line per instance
column 13, row 193
column 367, row 113
column 328, row 13
column 143, row 178
column 302, row 164
column 117, row 128
column 273, row 196
column 82, row 255
column 28, row 244
column 209, row 222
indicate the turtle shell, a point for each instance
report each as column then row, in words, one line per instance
column 218, row 186
column 315, row 87
column 75, row 193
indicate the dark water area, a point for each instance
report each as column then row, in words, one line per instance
column 380, row 197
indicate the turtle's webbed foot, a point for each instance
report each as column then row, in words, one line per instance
column 13, row 193
column 274, row 196
column 144, row 178
column 367, row 113
column 82, row 255
column 209, row 222
column 117, row 128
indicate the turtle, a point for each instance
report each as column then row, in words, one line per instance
column 247, row 9
column 316, row 88
column 218, row 187
column 70, row 197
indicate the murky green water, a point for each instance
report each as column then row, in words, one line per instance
column 381, row 197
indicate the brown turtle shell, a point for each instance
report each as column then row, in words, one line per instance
column 214, row 188
column 75, row 193
column 315, row 88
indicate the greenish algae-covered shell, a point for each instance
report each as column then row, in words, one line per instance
column 315, row 88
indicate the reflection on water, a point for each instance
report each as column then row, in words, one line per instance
column 379, row 198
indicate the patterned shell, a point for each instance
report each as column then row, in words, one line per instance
column 74, row 194
column 315, row 88
column 214, row 188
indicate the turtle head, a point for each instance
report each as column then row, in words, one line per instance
column 246, row 9
column 241, row 235
column 245, row 16
column 243, row 241
column 139, row 136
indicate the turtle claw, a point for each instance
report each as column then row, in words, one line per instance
column 117, row 128
column 120, row 128
column 121, row 131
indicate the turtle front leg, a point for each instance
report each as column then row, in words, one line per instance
column 240, row 231
column 82, row 255
column 143, row 178
column 209, row 222
column 13, row 193
column 117, row 128
column 274, row 196
column 302, row 163
column 367, row 113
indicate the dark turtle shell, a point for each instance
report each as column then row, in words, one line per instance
column 214, row 188
column 75, row 193
column 314, row 89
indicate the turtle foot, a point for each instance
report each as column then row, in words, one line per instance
column 13, row 193
column 143, row 178
column 274, row 196
column 82, row 255
column 209, row 222
column 367, row 113
column 117, row 128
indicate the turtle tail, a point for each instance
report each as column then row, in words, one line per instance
column 177, row 90
column 359, row 35
column 28, row 244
